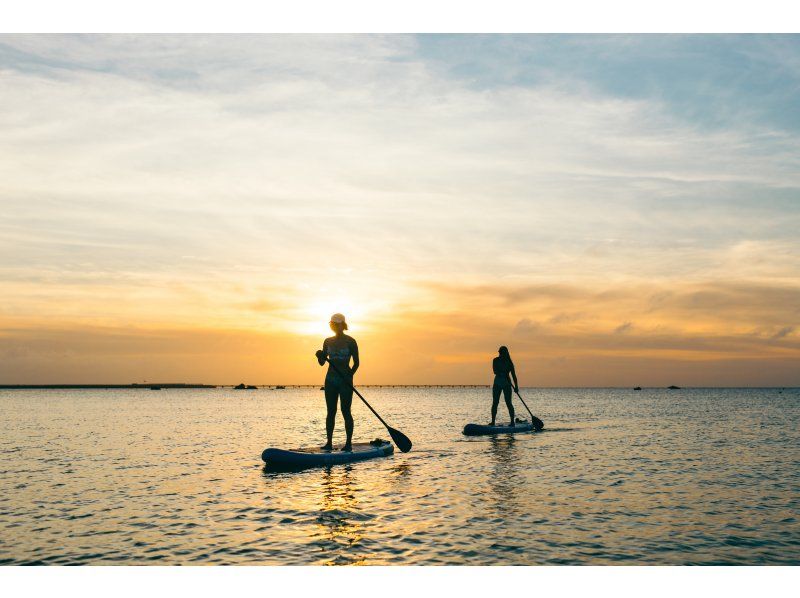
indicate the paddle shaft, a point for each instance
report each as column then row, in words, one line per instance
column 526, row 406
column 353, row 388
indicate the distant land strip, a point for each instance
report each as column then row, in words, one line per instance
column 153, row 385
column 167, row 385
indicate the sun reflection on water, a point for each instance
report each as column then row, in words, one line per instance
column 338, row 517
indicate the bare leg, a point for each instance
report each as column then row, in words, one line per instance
column 331, row 399
column 495, row 402
column 347, row 403
column 507, row 393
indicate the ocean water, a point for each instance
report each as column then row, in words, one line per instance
column 693, row 476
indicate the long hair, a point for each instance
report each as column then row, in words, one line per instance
column 504, row 354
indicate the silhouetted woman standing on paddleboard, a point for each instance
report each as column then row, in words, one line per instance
column 338, row 350
column 503, row 366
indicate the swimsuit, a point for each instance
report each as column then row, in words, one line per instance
column 341, row 359
column 501, row 374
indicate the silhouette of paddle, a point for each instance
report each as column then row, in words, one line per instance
column 400, row 439
column 537, row 423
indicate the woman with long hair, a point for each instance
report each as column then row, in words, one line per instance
column 502, row 367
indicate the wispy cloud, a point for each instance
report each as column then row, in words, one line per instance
column 783, row 332
column 623, row 328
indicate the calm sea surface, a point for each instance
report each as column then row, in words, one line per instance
column 694, row 476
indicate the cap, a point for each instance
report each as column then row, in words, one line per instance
column 337, row 319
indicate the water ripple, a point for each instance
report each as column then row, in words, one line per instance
column 698, row 477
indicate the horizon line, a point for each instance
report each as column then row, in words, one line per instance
column 200, row 386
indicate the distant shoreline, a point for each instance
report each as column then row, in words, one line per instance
column 147, row 386
column 180, row 385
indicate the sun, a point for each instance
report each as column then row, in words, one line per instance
column 313, row 319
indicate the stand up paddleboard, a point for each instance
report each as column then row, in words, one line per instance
column 479, row 430
column 313, row 457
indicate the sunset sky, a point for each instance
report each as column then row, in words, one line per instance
column 618, row 210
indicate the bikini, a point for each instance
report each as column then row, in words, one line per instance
column 341, row 358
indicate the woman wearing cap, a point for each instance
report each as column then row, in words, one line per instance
column 503, row 366
column 338, row 350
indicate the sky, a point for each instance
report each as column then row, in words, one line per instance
column 617, row 210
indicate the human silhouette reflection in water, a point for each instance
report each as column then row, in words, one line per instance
column 502, row 367
column 339, row 349
column 340, row 522
column 504, row 480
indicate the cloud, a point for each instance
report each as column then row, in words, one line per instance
column 623, row 328
column 734, row 303
column 561, row 318
column 263, row 306
column 525, row 327
column 783, row 332
column 438, row 349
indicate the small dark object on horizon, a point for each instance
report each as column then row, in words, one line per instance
column 673, row 387
column 244, row 386
column 280, row 388
column 637, row 388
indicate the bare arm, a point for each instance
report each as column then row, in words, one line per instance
column 356, row 362
column 514, row 376
column 322, row 352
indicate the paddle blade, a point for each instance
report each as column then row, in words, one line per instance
column 537, row 423
column 400, row 439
